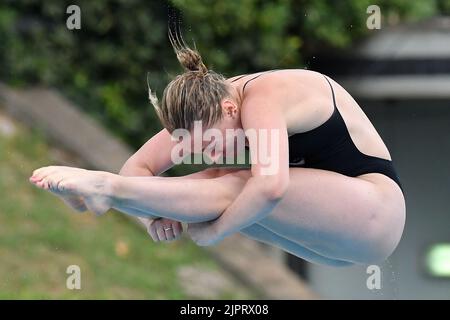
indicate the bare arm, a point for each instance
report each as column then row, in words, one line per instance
column 152, row 159
column 270, row 176
column 153, row 156
column 260, row 195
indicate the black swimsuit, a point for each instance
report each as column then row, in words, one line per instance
column 330, row 147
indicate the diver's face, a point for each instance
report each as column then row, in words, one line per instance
column 224, row 138
column 220, row 139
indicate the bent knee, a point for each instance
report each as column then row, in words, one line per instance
column 380, row 244
column 385, row 229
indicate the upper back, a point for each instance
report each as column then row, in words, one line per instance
column 305, row 99
column 302, row 96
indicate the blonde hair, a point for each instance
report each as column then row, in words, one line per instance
column 194, row 95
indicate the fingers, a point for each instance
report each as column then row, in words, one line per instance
column 177, row 228
column 161, row 233
column 156, row 231
column 165, row 230
column 168, row 231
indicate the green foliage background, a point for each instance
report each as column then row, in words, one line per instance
column 103, row 66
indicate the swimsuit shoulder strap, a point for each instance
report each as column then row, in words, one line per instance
column 245, row 84
column 239, row 78
column 332, row 91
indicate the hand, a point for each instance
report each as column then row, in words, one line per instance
column 204, row 233
column 163, row 229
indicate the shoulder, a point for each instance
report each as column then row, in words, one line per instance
column 260, row 92
column 263, row 80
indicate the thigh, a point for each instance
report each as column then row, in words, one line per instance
column 261, row 234
column 338, row 216
column 334, row 215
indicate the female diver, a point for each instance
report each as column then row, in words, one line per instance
column 334, row 199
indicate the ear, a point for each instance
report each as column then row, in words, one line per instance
column 229, row 108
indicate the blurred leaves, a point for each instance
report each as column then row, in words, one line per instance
column 103, row 66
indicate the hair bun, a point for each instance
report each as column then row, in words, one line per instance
column 191, row 60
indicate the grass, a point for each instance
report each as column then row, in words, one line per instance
column 40, row 237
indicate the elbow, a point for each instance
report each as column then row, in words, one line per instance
column 275, row 187
column 128, row 166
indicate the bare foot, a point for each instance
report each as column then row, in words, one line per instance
column 74, row 185
column 76, row 203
